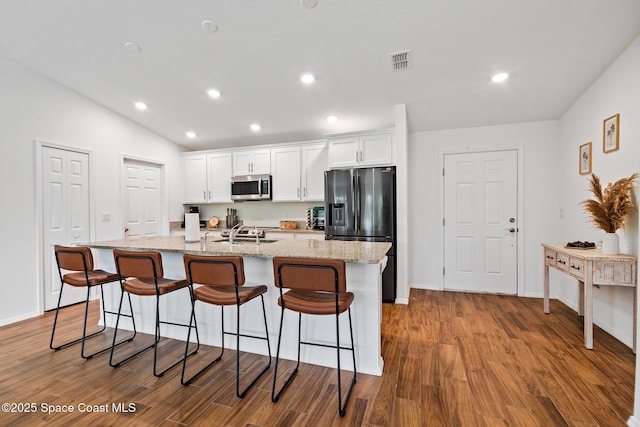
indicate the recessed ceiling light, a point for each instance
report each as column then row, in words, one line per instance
column 191, row 134
column 133, row 47
column 209, row 26
column 309, row 4
column 141, row 106
column 255, row 127
column 307, row 78
column 500, row 77
column 332, row 119
column 214, row 93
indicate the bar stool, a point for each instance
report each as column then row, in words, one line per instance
column 78, row 261
column 223, row 282
column 141, row 273
column 317, row 287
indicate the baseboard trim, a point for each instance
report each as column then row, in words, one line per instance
column 633, row 421
column 16, row 319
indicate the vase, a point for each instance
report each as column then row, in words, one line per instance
column 610, row 244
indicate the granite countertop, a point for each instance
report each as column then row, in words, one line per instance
column 350, row 252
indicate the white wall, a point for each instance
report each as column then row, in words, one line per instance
column 616, row 91
column 539, row 221
column 34, row 108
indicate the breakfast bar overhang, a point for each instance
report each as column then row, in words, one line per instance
column 365, row 263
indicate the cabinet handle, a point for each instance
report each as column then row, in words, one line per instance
column 298, row 191
column 204, row 194
column 562, row 262
column 575, row 267
column 305, row 192
column 549, row 257
column 209, row 194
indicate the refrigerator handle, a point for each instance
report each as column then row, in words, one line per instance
column 356, row 202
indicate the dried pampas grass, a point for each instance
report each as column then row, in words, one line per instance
column 612, row 204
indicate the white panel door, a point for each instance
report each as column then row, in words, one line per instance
column 142, row 198
column 65, row 204
column 480, row 222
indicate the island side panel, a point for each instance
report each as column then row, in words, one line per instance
column 364, row 280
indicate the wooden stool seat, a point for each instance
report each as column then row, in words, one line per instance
column 225, row 295
column 314, row 302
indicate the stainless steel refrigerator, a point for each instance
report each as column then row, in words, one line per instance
column 360, row 204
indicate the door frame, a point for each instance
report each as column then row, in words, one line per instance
column 519, row 149
column 38, row 146
column 164, row 191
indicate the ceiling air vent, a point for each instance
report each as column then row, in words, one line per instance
column 400, row 61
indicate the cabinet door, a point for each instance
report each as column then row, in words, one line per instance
column 261, row 162
column 195, row 179
column 219, row 178
column 343, row 152
column 286, row 174
column 242, row 163
column 376, row 149
column 315, row 161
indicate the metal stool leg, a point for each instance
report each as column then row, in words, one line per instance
column 266, row 368
column 157, row 337
column 341, row 405
column 115, row 333
column 217, row 359
column 275, row 397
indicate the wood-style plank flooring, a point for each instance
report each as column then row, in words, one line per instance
column 451, row 359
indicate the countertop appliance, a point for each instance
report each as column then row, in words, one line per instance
column 315, row 218
column 360, row 204
column 251, row 187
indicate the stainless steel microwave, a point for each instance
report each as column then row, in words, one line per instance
column 251, row 187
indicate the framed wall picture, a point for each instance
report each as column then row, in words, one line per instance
column 585, row 158
column 611, row 133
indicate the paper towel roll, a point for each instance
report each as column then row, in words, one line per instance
column 191, row 227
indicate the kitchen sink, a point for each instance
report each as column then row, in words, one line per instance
column 244, row 241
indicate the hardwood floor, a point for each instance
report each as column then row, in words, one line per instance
column 451, row 359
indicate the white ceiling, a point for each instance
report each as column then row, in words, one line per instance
column 553, row 49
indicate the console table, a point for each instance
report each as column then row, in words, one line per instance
column 592, row 268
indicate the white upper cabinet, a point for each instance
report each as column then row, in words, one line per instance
column 220, row 173
column 285, row 164
column 195, row 178
column 256, row 162
column 365, row 149
column 315, row 161
column 298, row 173
column 207, row 178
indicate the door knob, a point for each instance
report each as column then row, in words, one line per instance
column 511, row 230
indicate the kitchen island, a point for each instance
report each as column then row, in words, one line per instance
column 365, row 263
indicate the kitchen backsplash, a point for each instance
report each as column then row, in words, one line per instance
column 261, row 213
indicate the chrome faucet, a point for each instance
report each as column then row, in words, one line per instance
column 232, row 233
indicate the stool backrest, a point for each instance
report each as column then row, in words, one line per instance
column 310, row 274
column 143, row 265
column 214, row 270
column 73, row 258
